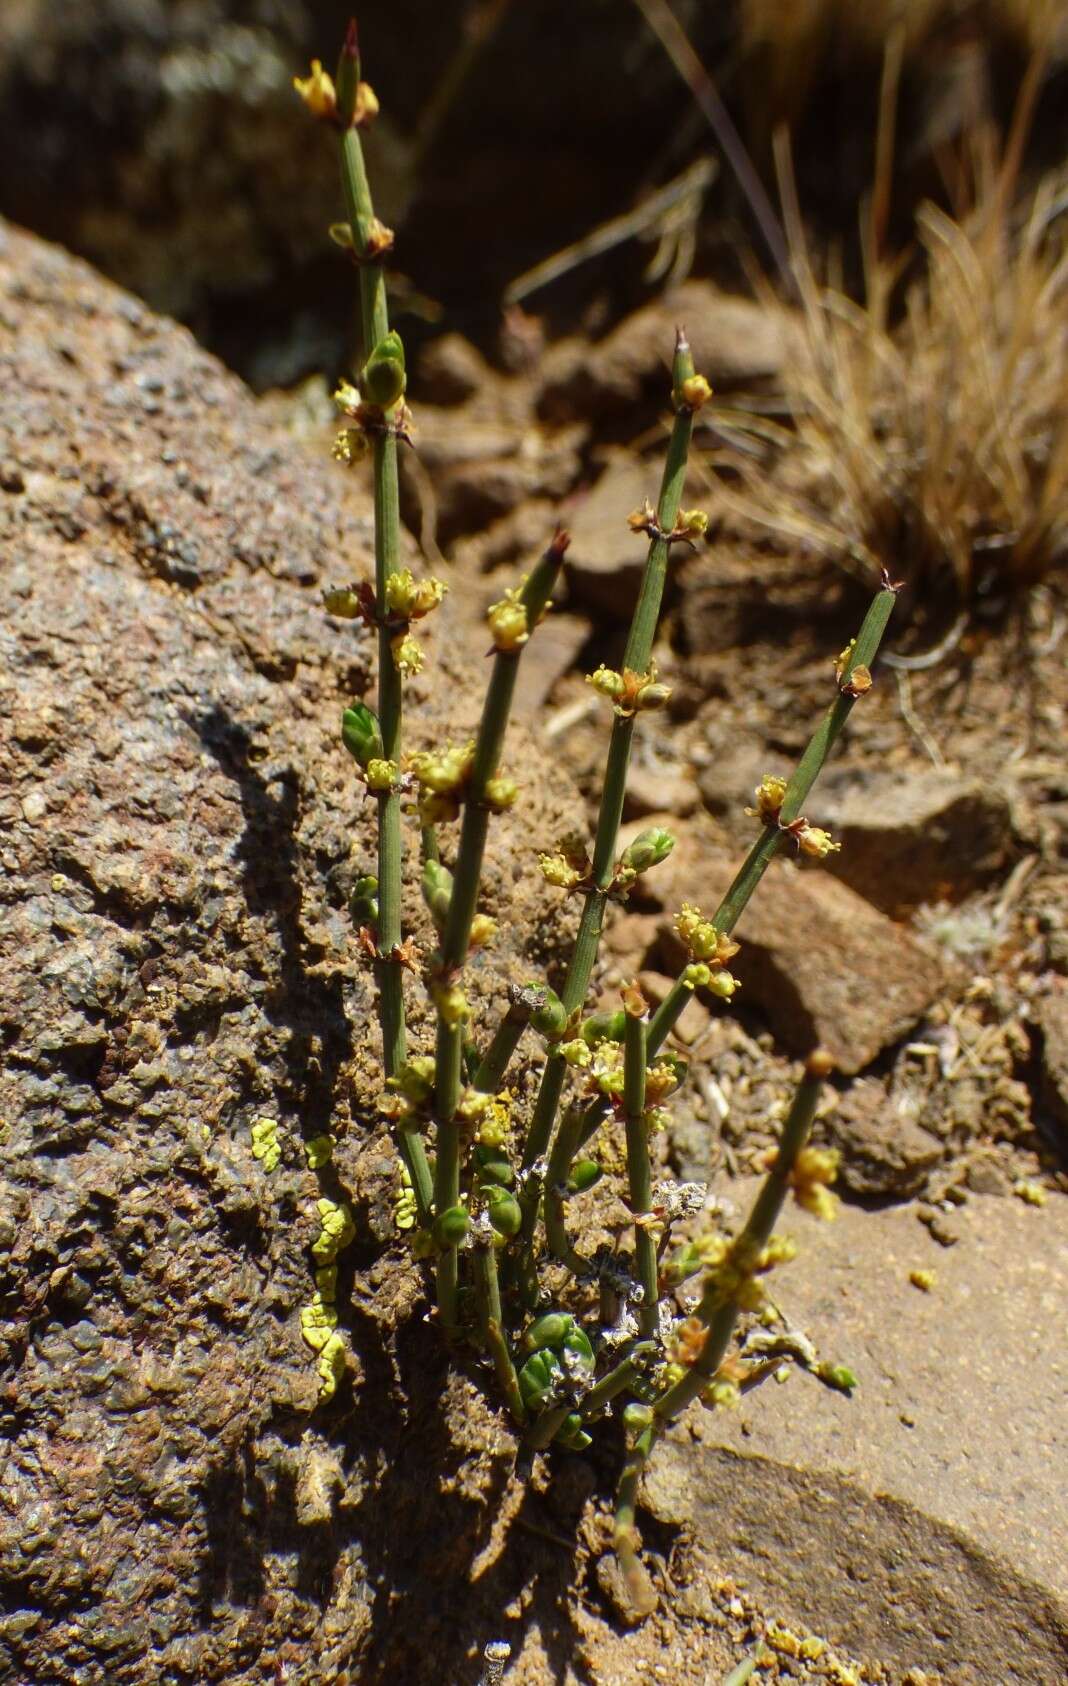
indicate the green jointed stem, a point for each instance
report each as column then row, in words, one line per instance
column 616, row 1381
column 563, row 1152
column 773, row 837
column 375, row 321
column 638, row 1173
column 490, row 1071
column 467, row 872
column 636, row 657
column 720, row 1319
column 488, row 1294
column 466, row 877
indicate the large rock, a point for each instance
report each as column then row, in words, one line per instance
column 924, row 1499
column 821, row 964
column 1051, row 1016
column 735, row 342
column 180, row 832
column 915, row 837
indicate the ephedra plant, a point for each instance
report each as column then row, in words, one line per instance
column 572, row 1335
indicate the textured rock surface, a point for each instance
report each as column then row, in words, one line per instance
column 1052, row 1015
column 820, row 963
column 923, row 836
column 180, row 828
column 926, row 1498
column 885, row 1152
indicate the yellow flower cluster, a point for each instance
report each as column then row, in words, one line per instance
column 814, row 1169
column 629, row 692
column 709, row 950
column 770, row 795
column 508, row 621
column 410, row 599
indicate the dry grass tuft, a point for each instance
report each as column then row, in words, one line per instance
column 936, row 447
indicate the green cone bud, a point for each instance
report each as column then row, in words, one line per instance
column 551, row 1017
column 493, row 1168
column 636, row 1417
column 363, row 903
column 551, row 1329
column 571, row 1435
column 584, row 1175
column 383, row 378
column 649, row 848
column 504, row 1211
column 360, row 734
column 437, row 891
column 839, row 1376
column 537, row 1378
column 452, row 1226
column 603, row 1027
column 577, row 1342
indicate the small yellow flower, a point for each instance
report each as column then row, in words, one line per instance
column 444, row 771
column 694, row 393
column 722, row 984
column 557, row 870
column 483, row 930
column 410, row 599
column 350, row 446
column 347, row 398
column 813, row 841
column 451, row 1003
column 317, row 91
column 508, row 623
column 343, row 601
column 692, row 523
column 407, row 654
column 770, row 795
column 500, row 794
column 381, row 775
column 606, row 682
column 814, row 1169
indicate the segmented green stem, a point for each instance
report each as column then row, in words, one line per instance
column 720, row 1319
column 390, row 972
column 467, row 874
column 638, row 1172
column 616, row 1381
column 555, row 1177
column 488, row 1295
column 773, row 837
column 636, row 657
column 489, row 1073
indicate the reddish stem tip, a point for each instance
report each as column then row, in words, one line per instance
column 681, row 342
column 561, row 540
column 351, row 49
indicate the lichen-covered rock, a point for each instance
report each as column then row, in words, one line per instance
column 180, row 829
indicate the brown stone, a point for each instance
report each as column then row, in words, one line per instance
column 925, row 1497
column 925, row 836
column 735, row 342
column 1051, row 1015
column 885, row 1152
column 823, row 966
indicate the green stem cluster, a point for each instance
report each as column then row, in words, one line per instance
column 636, row 657
column 719, row 1319
column 772, row 837
column 467, row 876
column 374, row 315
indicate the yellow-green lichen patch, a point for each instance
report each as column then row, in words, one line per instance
column 265, row 1143
column 337, row 1230
column 318, row 1150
